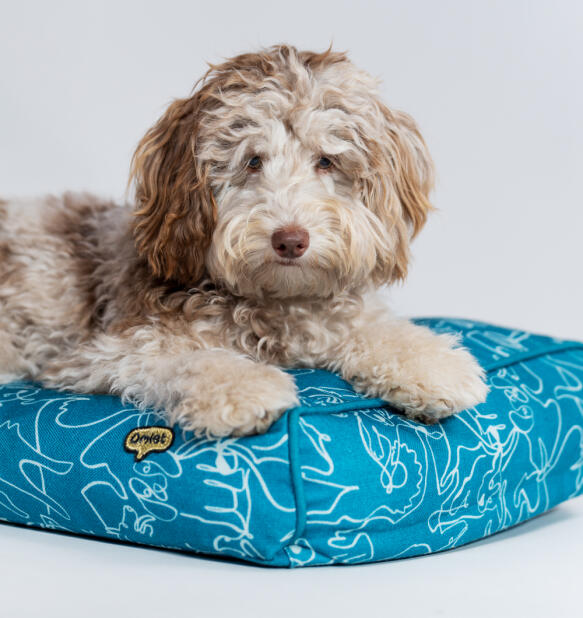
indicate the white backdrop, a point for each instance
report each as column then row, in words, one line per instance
column 495, row 86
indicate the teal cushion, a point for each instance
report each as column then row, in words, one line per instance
column 340, row 479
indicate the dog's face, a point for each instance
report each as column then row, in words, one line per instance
column 283, row 175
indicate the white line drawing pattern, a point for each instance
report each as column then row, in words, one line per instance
column 339, row 480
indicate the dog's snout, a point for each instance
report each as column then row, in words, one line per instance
column 290, row 242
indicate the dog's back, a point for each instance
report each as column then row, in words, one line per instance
column 50, row 251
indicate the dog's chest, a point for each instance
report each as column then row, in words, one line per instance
column 286, row 335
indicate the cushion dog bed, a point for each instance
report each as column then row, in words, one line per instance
column 340, row 479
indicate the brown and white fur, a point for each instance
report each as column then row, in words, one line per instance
column 190, row 305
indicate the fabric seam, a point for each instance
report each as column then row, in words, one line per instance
column 520, row 358
column 296, row 473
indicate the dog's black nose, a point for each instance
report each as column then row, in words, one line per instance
column 290, row 242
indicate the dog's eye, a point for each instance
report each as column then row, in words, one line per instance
column 324, row 163
column 254, row 163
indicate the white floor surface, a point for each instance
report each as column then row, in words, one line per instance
column 532, row 570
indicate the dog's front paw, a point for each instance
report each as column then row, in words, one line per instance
column 439, row 387
column 238, row 404
column 431, row 386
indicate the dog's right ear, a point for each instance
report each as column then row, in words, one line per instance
column 175, row 213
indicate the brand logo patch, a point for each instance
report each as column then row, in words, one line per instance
column 145, row 440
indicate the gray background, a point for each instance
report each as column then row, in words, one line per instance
column 497, row 90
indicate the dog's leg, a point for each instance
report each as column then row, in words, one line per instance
column 211, row 392
column 427, row 376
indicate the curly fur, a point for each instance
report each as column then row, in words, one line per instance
column 182, row 304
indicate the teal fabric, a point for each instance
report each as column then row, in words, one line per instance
column 340, row 479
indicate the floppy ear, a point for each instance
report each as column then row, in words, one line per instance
column 398, row 189
column 175, row 214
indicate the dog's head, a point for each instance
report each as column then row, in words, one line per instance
column 282, row 175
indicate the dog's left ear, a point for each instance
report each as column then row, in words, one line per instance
column 176, row 213
column 398, row 189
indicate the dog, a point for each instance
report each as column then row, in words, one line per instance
column 270, row 205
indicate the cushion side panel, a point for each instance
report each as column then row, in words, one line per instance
column 378, row 486
column 63, row 466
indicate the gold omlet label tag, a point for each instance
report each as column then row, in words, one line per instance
column 145, row 440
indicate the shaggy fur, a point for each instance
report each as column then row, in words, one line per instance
column 190, row 303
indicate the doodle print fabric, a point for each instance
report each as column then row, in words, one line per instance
column 340, row 479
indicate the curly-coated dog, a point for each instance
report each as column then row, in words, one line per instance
column 270, row 205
